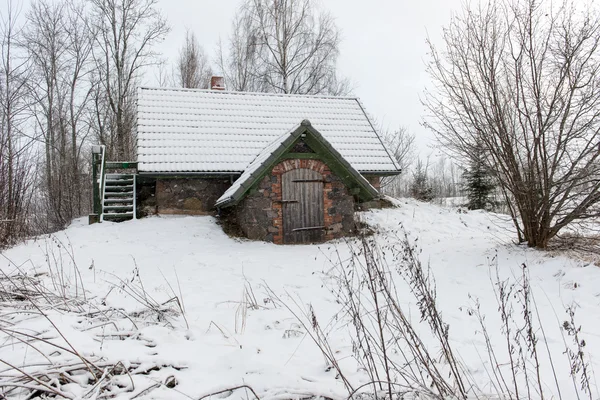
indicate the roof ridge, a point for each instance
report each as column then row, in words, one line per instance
column 219, row 92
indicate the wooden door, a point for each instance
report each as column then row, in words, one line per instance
column 302, row 195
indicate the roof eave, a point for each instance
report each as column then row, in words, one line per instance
column 381, row 173
column 368, row 192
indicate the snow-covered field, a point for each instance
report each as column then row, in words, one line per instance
column 224, row 340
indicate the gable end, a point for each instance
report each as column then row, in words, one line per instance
column 287, row 145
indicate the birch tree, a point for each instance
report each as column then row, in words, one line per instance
column 522, row 79
column 284, row 46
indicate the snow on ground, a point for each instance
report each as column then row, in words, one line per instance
column 228, row 344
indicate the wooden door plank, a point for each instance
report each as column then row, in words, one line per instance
column 302, row 198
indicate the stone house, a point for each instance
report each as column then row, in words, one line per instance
column 281, row 168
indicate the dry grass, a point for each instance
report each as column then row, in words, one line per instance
column 406, row 357
column 581, row 247
column 29, row 299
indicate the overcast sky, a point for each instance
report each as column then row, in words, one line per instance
column 383, row 48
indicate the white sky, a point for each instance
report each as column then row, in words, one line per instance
column 383, row 48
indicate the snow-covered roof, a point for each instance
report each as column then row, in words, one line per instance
column 252, row 169
column 193, row 130
column 276, row 149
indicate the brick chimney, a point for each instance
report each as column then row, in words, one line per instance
column 217, row 83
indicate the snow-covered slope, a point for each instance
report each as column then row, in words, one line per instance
column 229, row 343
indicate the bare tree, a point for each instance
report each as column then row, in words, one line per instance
column 193, row 66
column 127, row 31
column 284, row 46
column 240, row 64
column 163, row 75
column 16, row 167
column 59, row 47
column 444, row 178
column 522, row 79
column 401, row 144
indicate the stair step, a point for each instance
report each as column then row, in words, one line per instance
column 120, row 194
column 119, row 176
column 118, row 182
column 118, row 197
column 125, row 215
column 118, row 188
column 118, row 208
column 124, row 200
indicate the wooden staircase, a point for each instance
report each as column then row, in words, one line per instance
column 118, row 200
column 114, row 192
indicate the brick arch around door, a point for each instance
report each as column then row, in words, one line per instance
column 280, row 208
column 337, row 209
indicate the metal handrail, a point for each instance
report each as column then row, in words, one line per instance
column 134, row 198
column 101, row 182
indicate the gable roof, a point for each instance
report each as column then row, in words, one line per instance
column 203, row 131
column 271, row 154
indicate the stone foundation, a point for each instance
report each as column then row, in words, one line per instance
column 189, row 196
column 259, row 216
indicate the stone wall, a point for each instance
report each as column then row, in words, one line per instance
column 189, row 196
column 260, row 216
column 375, row 181
column 145, row 196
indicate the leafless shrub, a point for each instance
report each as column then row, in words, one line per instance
column 248, row 302
column 577, row 356
column 397, row 354
column 518, row 80
column 386, row 343
column 386, row 337
column 520, row 328
column 152, row 310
